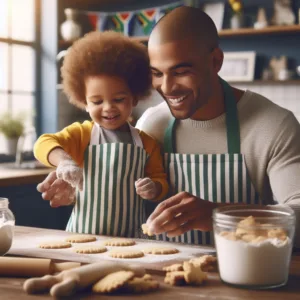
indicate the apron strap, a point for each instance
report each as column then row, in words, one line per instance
column 136, row 136
column 232, row 124
column 96, row 136
column 169, row 138
column 232, row 120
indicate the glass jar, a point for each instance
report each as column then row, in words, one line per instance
column 254, row 244
column 7, row 223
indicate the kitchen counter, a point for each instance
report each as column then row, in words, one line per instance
column 11, row 288
column 11, row 176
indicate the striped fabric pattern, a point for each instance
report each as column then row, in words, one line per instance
column 108, row 204
column 219, row 178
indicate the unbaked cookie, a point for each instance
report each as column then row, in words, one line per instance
column 175, row 278
column 112, row 282
column 174, row 267
column 142, row 284
column 206, row 263
column 146, row 230
column 160, row 250
column 91, row 249
column 192, row 274
column 55, row 245
column 126, row 253
column 119, row 242
column 80, row 239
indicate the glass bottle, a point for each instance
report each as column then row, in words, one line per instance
column 7, row 223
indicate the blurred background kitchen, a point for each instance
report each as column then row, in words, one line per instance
column 261, row 40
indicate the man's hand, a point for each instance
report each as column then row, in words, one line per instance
column 57, row 191
column 70, row 172
column 146, row 188
column 181, row 213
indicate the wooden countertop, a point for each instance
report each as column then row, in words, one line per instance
column 11, row 288
column 11, row 176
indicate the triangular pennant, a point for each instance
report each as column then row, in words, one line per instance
column 122, row 22
column 147, row 19
column 150, row 13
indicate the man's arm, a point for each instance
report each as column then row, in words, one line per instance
column 284, row 168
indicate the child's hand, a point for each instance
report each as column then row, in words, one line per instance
column 146, row 188
column 70, row 172
column 57, row 191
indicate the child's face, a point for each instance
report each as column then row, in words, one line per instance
column 109, row 100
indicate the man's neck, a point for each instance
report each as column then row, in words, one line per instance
column 215, row 106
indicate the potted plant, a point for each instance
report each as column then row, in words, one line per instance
column 12, row 127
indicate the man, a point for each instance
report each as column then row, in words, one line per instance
column 224, row 146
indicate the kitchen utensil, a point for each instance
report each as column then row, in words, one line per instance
column 27, row 267
column 68, row 282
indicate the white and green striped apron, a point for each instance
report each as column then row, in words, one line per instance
column 219, row 178
column 108, row 204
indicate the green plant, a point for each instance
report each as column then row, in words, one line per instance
column 12, row 126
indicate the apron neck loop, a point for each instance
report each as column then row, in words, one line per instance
column 97, row 131
column 232, row 124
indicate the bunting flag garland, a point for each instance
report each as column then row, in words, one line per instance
column 97, row 20
column 122, row 21
column 164, row 10
column 169, row 8
column 148, row 19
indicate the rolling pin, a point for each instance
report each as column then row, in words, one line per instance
column 69, row 281
column 29, row 267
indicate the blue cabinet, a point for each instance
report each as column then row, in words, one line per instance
column 30, row 209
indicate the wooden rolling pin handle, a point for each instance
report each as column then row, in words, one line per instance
column 40, row 285
column 58, row 267
column 66, row 287
column 69, row 281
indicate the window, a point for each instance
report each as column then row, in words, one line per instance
column 18, row 50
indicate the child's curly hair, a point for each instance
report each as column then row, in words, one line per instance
column 108, row 53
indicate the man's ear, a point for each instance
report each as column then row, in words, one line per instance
column 135, row 101
column 217, row 59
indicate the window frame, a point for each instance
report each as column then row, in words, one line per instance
column 35, row 45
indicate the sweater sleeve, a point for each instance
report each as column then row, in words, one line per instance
column 73, row 139
column 284, row 168
column 154, row 168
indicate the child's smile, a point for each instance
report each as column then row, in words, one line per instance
column 109, row 100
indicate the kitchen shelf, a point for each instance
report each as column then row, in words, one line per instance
column 227, row 33
column 263, row 31
column 268, row 82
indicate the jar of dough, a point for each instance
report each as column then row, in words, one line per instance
column 254, row 244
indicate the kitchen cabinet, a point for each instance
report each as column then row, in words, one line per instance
column 30, row 209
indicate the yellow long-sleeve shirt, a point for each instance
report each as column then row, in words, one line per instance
column 75, row 138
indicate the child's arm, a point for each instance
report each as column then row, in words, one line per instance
column 65, row 150
column 154, row 170
column 72, row 139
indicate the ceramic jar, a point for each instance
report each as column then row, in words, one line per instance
column 70, row 29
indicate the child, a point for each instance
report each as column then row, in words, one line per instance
column 106, row 73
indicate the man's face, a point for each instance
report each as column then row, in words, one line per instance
column 181, row 73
